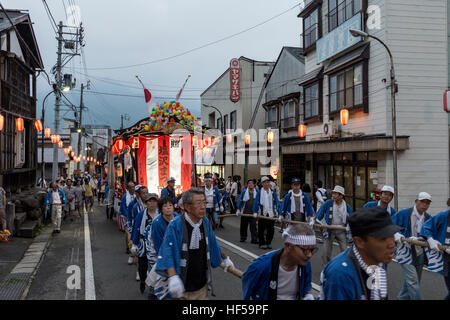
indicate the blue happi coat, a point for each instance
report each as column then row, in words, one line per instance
column 133, row 211
column 325, row 211
column 403, row 219
column 257, row 278
column 258, row 208
column 436, row 227
column 286, row 205
column 241, row 203
column 169, row 254
column 375, row 203
column 48, row 199
column 339, row 280
column 158, row 231
column 123, row 210
column 137, row 237
column 165, row 194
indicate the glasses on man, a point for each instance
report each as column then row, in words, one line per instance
column 308, row 250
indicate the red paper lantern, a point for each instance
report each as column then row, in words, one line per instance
column 70, row 148
column 230, row 138
column 58, row 138
column 270, row 136
column 61, row 144
column 247, row 139
column 301, row 130
column 66, row 151
column 344, row 116
column 19, row 124
column 48, row 132
column 54, row 139
column 38, row 125
column 2, row 121
column 120, row 145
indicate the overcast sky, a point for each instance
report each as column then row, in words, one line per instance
column 121, row 33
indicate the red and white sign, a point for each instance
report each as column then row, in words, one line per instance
column 447, row 101
column 235, row 80
column 160, row 158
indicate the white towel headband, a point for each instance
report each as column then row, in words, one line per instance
column 302, row 240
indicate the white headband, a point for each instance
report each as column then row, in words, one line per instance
column 302, row 240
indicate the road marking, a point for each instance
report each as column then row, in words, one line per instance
column 254, row 256
column 88, row 265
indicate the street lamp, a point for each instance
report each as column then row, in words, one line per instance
column 359, row 33
column 43, row 134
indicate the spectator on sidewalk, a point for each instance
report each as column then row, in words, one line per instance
column 245, row 206
column 89, row 195
column 56, row 200
column 185, row 254
column 283, row 274
column 135, row 207
column 79, row 198
column 69, row 192
column 320, row 195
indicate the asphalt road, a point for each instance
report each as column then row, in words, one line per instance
column 114, row 279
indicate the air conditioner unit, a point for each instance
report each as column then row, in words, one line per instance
column 331, row 129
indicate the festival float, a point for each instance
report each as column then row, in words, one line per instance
column 161, row 146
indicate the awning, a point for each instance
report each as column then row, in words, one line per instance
column 359, row 54
column 311, row 77
column 357, row 144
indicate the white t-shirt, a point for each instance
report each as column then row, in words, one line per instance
column 55, row 197
column 339, row 214
column 209, row 197
column 234, row 189
column 287, row 284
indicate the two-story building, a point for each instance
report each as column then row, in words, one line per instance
column 343, row 71
column 283, row 112
column 20, row 62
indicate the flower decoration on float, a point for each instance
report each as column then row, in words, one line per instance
column 170, row 114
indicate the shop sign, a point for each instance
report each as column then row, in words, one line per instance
column 235, row 80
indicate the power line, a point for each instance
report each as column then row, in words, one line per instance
column 197, row 48
column 50, row 16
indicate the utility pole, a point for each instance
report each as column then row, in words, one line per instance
column 80, row 127
column 121, row 121
column 58, row 76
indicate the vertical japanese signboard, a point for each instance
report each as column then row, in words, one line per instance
column 235, row 80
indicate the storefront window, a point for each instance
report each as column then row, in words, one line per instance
column 360, row 183
column 348, row 181
column 373, row 179
column 338, row 176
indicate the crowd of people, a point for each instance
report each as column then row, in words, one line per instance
column 71, row 197
column 171, row 239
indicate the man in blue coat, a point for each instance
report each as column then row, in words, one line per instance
column 266, row 204
column 359, row 272
column 245, row 206
column 387, row 194
column 56, row 200
column 189, row 250
column 213, row 201
column 136, row 206
column 125, row 202
column 169, row 191
column 283, row 274
column 296, row 205
column 437, row 231
column 335, row 211
column 412, row 220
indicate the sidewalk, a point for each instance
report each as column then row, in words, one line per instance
column 15, row 284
